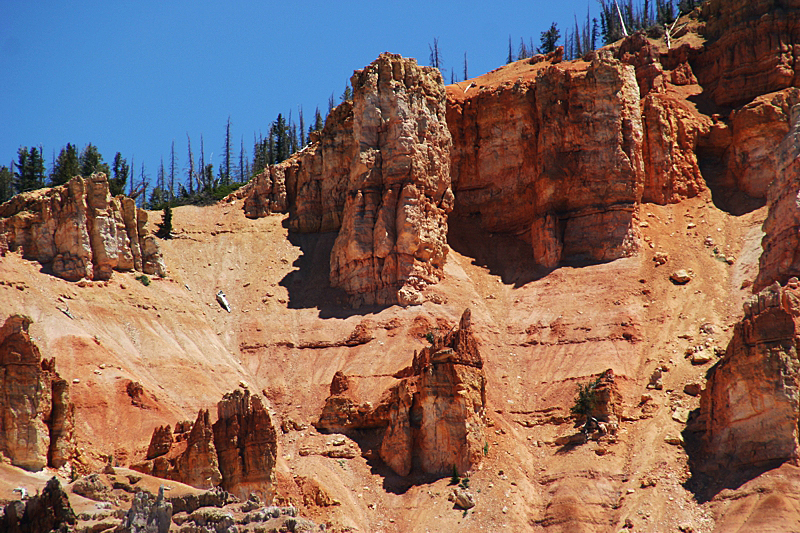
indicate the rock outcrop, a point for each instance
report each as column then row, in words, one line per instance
column 160, row 442
column 379, row 174
column 433, row 418
column 237, row 452
column 147, row 514
column 749, row 410
column 523, row 163
column 246, row 445
column 392, row 242
column 48, row 511
column 780, row 259
column 751, row 49
column 80, row 231
column 36, row 416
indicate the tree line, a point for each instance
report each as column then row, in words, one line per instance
column 198, row 182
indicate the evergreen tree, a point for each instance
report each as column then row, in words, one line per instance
column 225, row 167
column 116, row 183
column 209, row 176
column 302, row 128
column 243, row 171
column 347, row 95
column 191, row 166
column 202, row 184
column 466, row 77
column 29, row 175
column 160, row 178
column 523, row 50
column 145, row 183
column 6, row 184
column 172, row 168
column 91, row 161
column 165, row 226
column 318, row 122
column 331, row 104
column 549, row 39
column 66, row 166
column 280, row 133
column 510, row 58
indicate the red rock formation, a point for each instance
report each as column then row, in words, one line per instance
column 756, row 129
column 751, row 49
column 394, row 226
column 36, row 416
column 80, row 230
column 160, row 442
column 750, row 408
column 433, row 418
column 246, row 445
column 522, row 160
column 48, row 511
column 238, row 452
column 780, row 260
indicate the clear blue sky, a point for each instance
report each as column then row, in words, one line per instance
column 134, row 76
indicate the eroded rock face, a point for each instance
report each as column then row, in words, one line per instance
column 379, row 174
column 246, row 445
column 80, row 230
column 392, row 242
column 433, row 417
column 749, row 409
column 779, row 260
column 523, row 163
column 751, row 49
column 237, row 452
column 36, row 416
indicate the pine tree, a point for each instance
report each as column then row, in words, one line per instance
column 523, row 50
column 165, row 226
column 172, row 168
column 347, row 95
column 510, row 58
column 116, row 183
column 29, row 175
column 280, row 133
column 191, row 166
column 145, row 183
column 302, row 128
column 91, row 161
column 202, row 183
column 6, row 184
column 318, row 122
column 466, row 77
column 549, row 39
column 242, row 158
column 66, row 166
column 331, row 103
column 225, row 167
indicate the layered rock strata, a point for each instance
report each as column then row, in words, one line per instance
column 237, row 452
column 433, row 418
column 80, row 231
column 523, row 162
column 780, row 259
column 750, row 408
column 36, row 416
column 751, row 49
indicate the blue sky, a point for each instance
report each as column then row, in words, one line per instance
column 135, row 76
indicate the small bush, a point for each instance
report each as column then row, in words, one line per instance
column 165, row 226
column 455, row 479
column 429, row 337
column 586, row 399
column 143, row 279
column 486, row 448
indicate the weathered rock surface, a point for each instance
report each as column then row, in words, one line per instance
column 392, row 242
column 246, row 445
column 433, row 417
column 36, row 416
column 48, row 511
column 751, row 49
column 750, row 407
column 80, row 231
column 237, row 453
column 523, row 163
column 160, row 443
column 780, row 259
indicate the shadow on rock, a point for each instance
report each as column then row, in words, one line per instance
column 309, row 284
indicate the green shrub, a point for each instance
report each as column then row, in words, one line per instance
column 143, row 279
column 455, row 479
column 586, row 398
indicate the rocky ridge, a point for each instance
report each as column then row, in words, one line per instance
column 79, row 231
